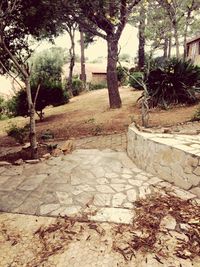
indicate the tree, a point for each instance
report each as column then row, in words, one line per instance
column 107, row 20
column 13, row 42
column 181, row 17
column 82, row 43
column 18, row 20
column 141, row 48
column 71, row 27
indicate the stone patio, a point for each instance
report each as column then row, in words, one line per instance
column 102, row 183
column 96, row 183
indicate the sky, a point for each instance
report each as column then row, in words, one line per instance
column 128, row 44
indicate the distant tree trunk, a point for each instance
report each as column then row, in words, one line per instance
column 71, row 31
column 141, row 50
column 176, row 39
column 83, row 72
column 32, row 134
column 170, row 47
column 112, row 81
column 189, row 12
column 165, row 47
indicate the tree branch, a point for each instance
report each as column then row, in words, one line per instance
column 7, row 71
column 12, row 57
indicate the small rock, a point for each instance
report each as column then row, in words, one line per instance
column 4, row 163
column 168, row 222
column 166, row 130
column 27, row 145
column 32, row 161
column 67, row 147
column 19, row 162
column 56, row 152
column 46, row 156
column 184, row 226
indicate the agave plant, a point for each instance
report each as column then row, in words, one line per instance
column 175, row 83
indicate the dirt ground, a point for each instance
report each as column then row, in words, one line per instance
column 163, row 236
column 89, row 115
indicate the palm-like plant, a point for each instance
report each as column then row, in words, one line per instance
column 175, row 83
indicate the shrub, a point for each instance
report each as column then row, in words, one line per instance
column 134, row 77
column 49, row 94
column 77, row 86
column 2, row 108
column 173, row 84
column 122, row 74
column 97, row 86
column 18, row 133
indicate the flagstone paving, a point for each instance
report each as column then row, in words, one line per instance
column 102, row 183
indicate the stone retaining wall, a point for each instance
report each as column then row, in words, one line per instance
column 174, row 158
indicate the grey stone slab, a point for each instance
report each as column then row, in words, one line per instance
column 141, row 177
column 111, row 175
column 64, row 198
column 56, row 178
column 32, row 182
column 85, row 199
column 45, row 209
column 14, row 170
column 2, row 170
column 67, row 211
column 120, row 187
column 11, row 201
column 104, row 189
column 102, row 200
column 135, row 182
column 118, row 199
column 30, row 206
column 102, row 181
column 132, row 195
column 12, row 183
column 3, row 179
column 144, row 191
column 98, row 171
column 116, row 215
column 118, row 181
column 48, row 197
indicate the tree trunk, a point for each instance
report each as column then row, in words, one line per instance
column 170, row 47
column 141, row 50
column 72, row 62
column 165, row 47
column 32, row 134
column 186, row 32
column 71, row 31
column 83, row 73
column 112, row 81
column 176, row 40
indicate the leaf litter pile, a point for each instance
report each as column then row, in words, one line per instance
column 55, row 238
column 146, row 234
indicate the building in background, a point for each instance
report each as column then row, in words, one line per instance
column 193, row 50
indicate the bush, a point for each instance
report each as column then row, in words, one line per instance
column 18, row 133
column 122, row 74
column 134, row 77
column 50, row 93
column 174, row 83
column 196, row 116
column 2, row 108
column 97, row 86
column 77, row 86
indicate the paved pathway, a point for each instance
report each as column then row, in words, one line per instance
column 105, row 182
